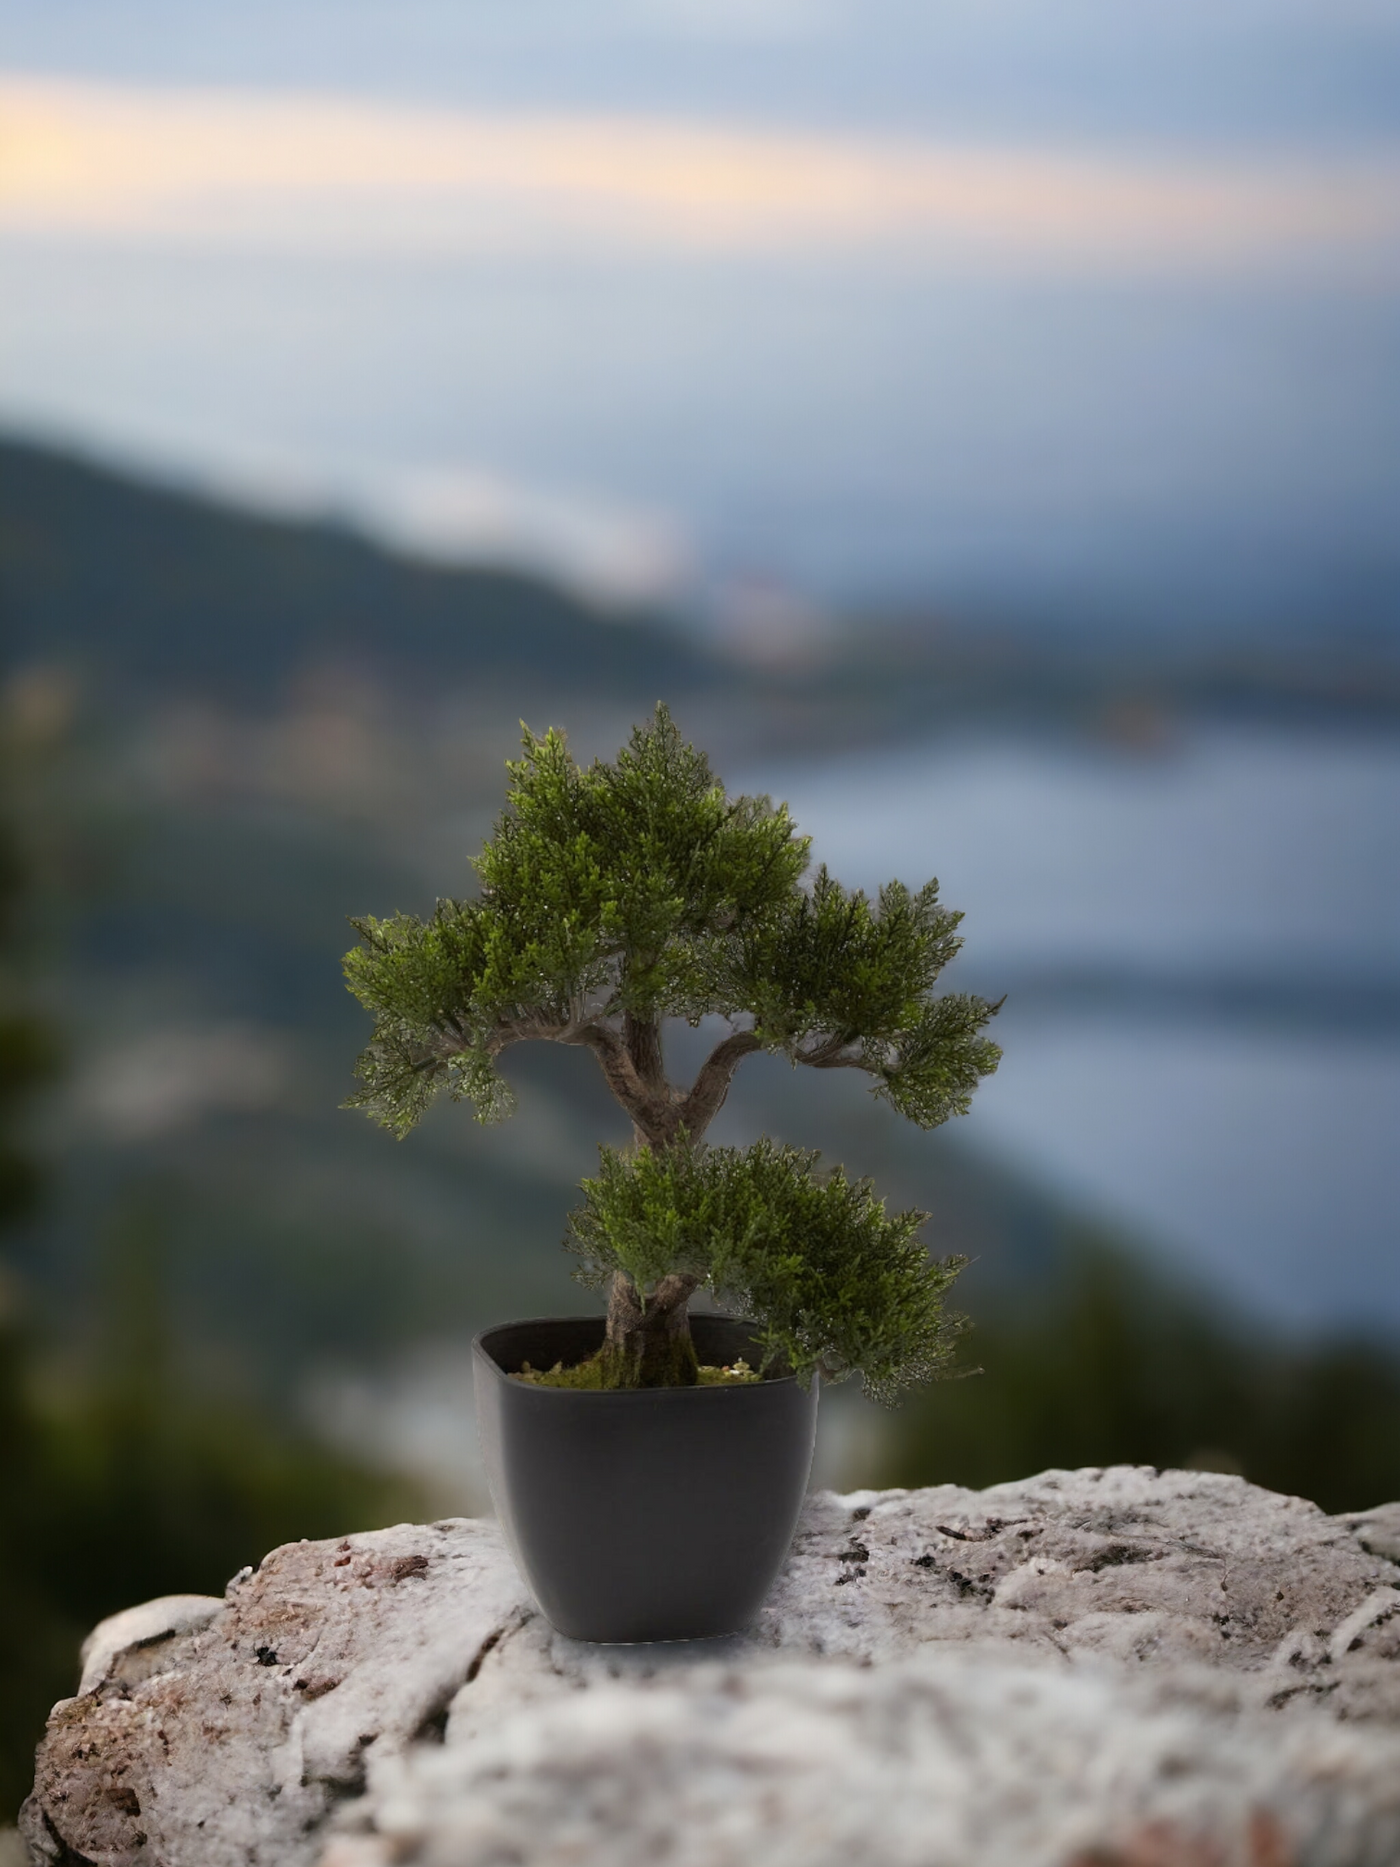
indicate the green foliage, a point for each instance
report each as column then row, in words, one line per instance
column 837, row 980
column 617, row 897
column 604, row 892
column 625, row 876
column 836, row 963
column 939, row 1060
column 639, row 889
column 832, row 1280
column 420, row 979
column 593, row 1376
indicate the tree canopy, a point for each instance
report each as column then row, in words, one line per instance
column 831, row 1279
column 613, row 897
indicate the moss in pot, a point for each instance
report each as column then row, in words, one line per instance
column 611, row 899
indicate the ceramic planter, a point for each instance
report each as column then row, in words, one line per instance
column 655, row 1514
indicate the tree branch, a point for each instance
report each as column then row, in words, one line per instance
column 711, row 1086
column 833, row 1053
column 652, row 1109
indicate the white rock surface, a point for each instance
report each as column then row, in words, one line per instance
column 131, row 1643
column 1090, row 1669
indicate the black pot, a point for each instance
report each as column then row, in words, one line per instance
column 661, row 1513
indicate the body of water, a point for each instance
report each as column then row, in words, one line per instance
column 1201, row 953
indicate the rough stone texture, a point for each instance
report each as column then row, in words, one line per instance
column 1091, row 1669
column 229, row 1739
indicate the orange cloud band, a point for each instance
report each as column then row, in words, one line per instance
column 221, row 166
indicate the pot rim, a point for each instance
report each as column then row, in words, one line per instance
column 622, row 1396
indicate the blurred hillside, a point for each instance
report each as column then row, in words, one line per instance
column 148, row 590
column 160, row 589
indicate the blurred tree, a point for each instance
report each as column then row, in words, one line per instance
column 27, row 1050
column 1116, row 1365
column 178, row 1488
column 122, row 1482
column 36, row 1640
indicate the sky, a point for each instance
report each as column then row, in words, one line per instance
column 904, row 303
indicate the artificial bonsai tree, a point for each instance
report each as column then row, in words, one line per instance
column 613, row 898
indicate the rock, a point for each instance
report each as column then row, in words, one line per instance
column 1111, row 1668
column 1379, row 1531
column 127, row 1647
column 256, row 1721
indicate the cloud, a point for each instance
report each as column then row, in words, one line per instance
column 307, row 173
column 617, row 553
column 608, row 551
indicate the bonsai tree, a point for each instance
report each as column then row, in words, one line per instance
column 613, row 898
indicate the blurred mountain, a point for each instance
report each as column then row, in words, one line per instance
column 156, row 591
column 168, row 590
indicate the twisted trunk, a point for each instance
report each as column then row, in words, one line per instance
column 647, row 1342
